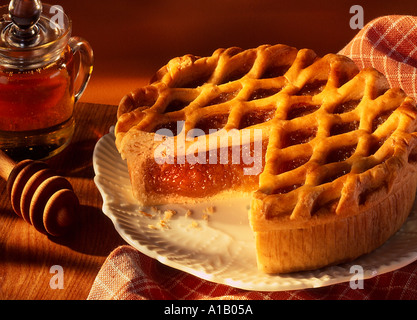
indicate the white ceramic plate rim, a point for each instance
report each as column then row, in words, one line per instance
column 396, row 253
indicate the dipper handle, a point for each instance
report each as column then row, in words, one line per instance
column 6, row 165
column 39, row 196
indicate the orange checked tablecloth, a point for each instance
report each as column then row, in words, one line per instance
column 388, row 44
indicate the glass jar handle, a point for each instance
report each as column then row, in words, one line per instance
column 85, row 69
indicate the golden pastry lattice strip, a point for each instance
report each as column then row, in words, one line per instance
column 312, row 156
column 326, row 121
column 231, row 89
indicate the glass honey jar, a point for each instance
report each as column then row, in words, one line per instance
column 43, row 73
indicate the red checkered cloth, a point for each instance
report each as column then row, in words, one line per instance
column 388, row 44
column 127, row 274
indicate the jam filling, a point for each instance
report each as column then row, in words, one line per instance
column 380, row 119
column 223, row 97
column 199, row 180
column 275, row 71
column 171, row 126
column 263, row 93
column 340, row 154
column 239, row 72
column 287, row 189
column 214, row 122
column 346, row 107
column 335, row 175
column 299, row 110
column 291, row 164
column 313, row 88
column 340, row 128
column 254, row 117
column 298, row 137
column 176, row 105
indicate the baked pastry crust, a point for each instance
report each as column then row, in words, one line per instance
column 338, row 173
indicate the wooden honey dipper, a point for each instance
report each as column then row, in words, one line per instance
column 39, row 196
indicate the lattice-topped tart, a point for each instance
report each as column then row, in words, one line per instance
column 328, row 153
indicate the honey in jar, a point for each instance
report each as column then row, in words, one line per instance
column 40, row 65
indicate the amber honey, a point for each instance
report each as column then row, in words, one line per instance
column 36, row 109
column 43, row 72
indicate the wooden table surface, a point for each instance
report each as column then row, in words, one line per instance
column 26, row 256
column 131, row 40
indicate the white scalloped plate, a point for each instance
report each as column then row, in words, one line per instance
column 221, row 248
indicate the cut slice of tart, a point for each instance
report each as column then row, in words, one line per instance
column 327, row 152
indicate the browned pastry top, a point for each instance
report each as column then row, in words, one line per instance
column 336, row 134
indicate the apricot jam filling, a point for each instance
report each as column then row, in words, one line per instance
column 199, row 180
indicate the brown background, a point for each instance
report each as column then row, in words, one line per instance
column 132, row 39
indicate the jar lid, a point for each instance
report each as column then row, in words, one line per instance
column 32, row 34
